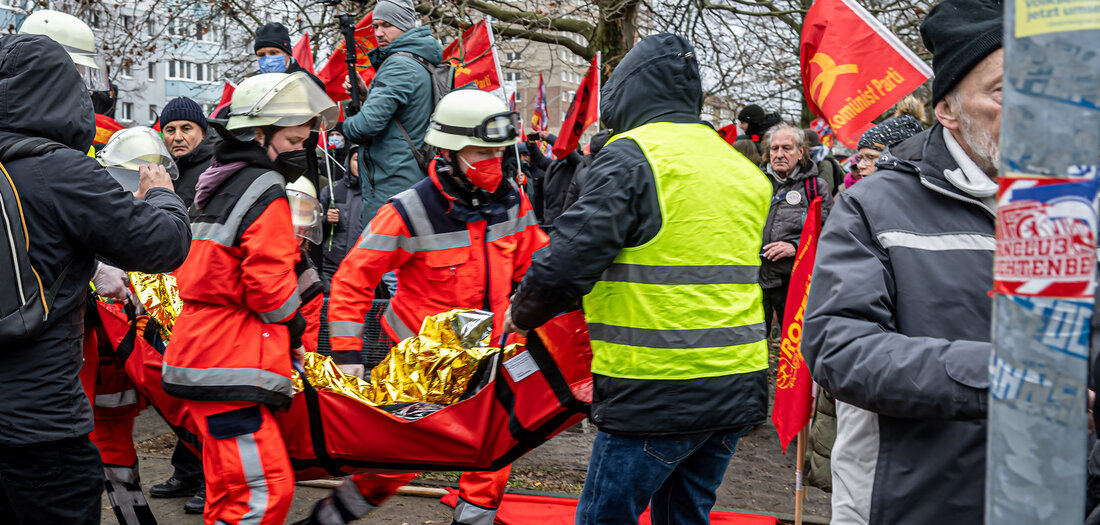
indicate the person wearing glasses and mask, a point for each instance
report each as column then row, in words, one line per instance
column 461, row 238
column 905, row 123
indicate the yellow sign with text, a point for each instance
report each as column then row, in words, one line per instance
column 1038, row 17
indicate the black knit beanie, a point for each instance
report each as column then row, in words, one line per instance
column 183, row 108
column 752, row 114
column 960, row 33
column 273, row 34
column 890, row 132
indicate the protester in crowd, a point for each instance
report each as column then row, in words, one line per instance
column 641, row 210
column 72, row 210
column 186, row 134
column 910, row 371
column 828, row 168
column 343, row 218
column 232, row 346
column 274, row 54
column 748, row 149
column 562, row 183
column 399, row 104
column 754, row 123
column 795, row 182
column 338, row 147
column 905, row 123
column 465, row 197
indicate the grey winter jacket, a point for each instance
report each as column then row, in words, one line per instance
column 401, row 90
column 897, row 329
column 790, row 203
column 73, row 211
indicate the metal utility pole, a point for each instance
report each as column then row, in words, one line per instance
column 1045, row 263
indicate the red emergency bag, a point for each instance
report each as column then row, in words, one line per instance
column 534, row 396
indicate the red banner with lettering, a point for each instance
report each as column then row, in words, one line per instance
column 335, row 71
column 474, row 58
column 584, row 111
column 793, row 384
column 853, row 68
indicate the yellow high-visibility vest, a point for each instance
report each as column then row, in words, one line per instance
column 687, row 304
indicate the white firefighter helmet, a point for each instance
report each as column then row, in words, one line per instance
column 130, row 149
column 77, row 39
column 306, row 212
column 471, row 117
column 280, row 99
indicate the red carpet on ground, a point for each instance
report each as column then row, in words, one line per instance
column 522, row 509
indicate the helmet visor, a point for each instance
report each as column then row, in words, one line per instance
column 92, row 71
column 292, row 102
column 132, row 148
column 499, row 128
column 306, row 214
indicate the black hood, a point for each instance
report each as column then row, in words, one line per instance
column 658, row 80
column 63, row 111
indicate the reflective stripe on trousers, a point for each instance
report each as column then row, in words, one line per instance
column 467, row 513
column 344, row 505
column 124, row 493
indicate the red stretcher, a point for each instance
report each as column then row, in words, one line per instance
column 538, row 393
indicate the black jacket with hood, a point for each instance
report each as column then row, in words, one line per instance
column 657, row 81
column 340, row 238
column 73, row 210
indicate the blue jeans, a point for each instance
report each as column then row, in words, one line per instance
column 677, row 475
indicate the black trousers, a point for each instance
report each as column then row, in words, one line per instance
column 55, row 482
column 188, row 466
column 775, row 299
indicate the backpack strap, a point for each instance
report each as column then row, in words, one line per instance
column 419, row 59
column 811, row 190
column 28, row 147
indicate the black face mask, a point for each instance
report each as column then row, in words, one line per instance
column 292, row 164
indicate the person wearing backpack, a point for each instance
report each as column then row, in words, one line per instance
column 60, row 210
column 398, row 104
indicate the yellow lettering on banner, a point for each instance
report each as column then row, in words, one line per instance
column 790, row 358
column 866, row 97
column 1037, row 17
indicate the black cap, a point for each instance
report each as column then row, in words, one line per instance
column 752, row 114
column 960, row 33
column 183, row 108
column 273, row 34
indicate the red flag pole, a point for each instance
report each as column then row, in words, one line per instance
column 799, row 487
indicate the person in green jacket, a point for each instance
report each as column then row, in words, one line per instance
column 401, row 91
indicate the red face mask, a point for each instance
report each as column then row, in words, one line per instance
column 485, row 174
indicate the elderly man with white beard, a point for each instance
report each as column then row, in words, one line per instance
column 898, row 321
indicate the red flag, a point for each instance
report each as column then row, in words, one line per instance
column 105, row 127
column 853, row 68
column 793, row 385
column 474, row 58
column 728, row 133
column 540, row 119
column 584, row 110
column 227, row 97
column 303, row 54
column 335, row 71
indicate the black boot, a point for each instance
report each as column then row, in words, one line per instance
column 197, row 502
column 174, row 488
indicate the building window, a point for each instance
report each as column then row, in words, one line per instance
column 127, row 21
column 149, row 29
column 184, row 70
column 519, row 96
column 152, row 70
column 152, row 114
column 205, row 33
column 126, row 69
column 513, row 56
column 512, row 77
column 174, row 28
column 127, row 111
column 565, row 76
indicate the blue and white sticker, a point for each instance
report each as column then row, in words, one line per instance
column 793, row 198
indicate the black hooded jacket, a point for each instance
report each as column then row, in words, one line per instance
column 73, row 210
column 658, row 81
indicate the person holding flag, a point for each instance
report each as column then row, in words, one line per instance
column 399, row 104
column 662, row 246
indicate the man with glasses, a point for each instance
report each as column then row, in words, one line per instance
column 462, row 238
column 875, row 140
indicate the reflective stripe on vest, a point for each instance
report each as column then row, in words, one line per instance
column 223, row 377
column 225, row 233
column 687, row 303
column 396, row 324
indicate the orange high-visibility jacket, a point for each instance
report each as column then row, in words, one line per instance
column 238, row 284
column 445, row 255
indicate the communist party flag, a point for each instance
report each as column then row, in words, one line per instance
column 105, row 127
column 303, row 54
column 853, row 68
column 793, row 385
column 584, row 111
column 335, row 71
column 728, row 132
column 474, row 58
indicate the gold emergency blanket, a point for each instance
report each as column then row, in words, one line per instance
column 435, row 366
column 160, row 296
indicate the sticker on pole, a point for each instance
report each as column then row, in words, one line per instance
column 1046, row 237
